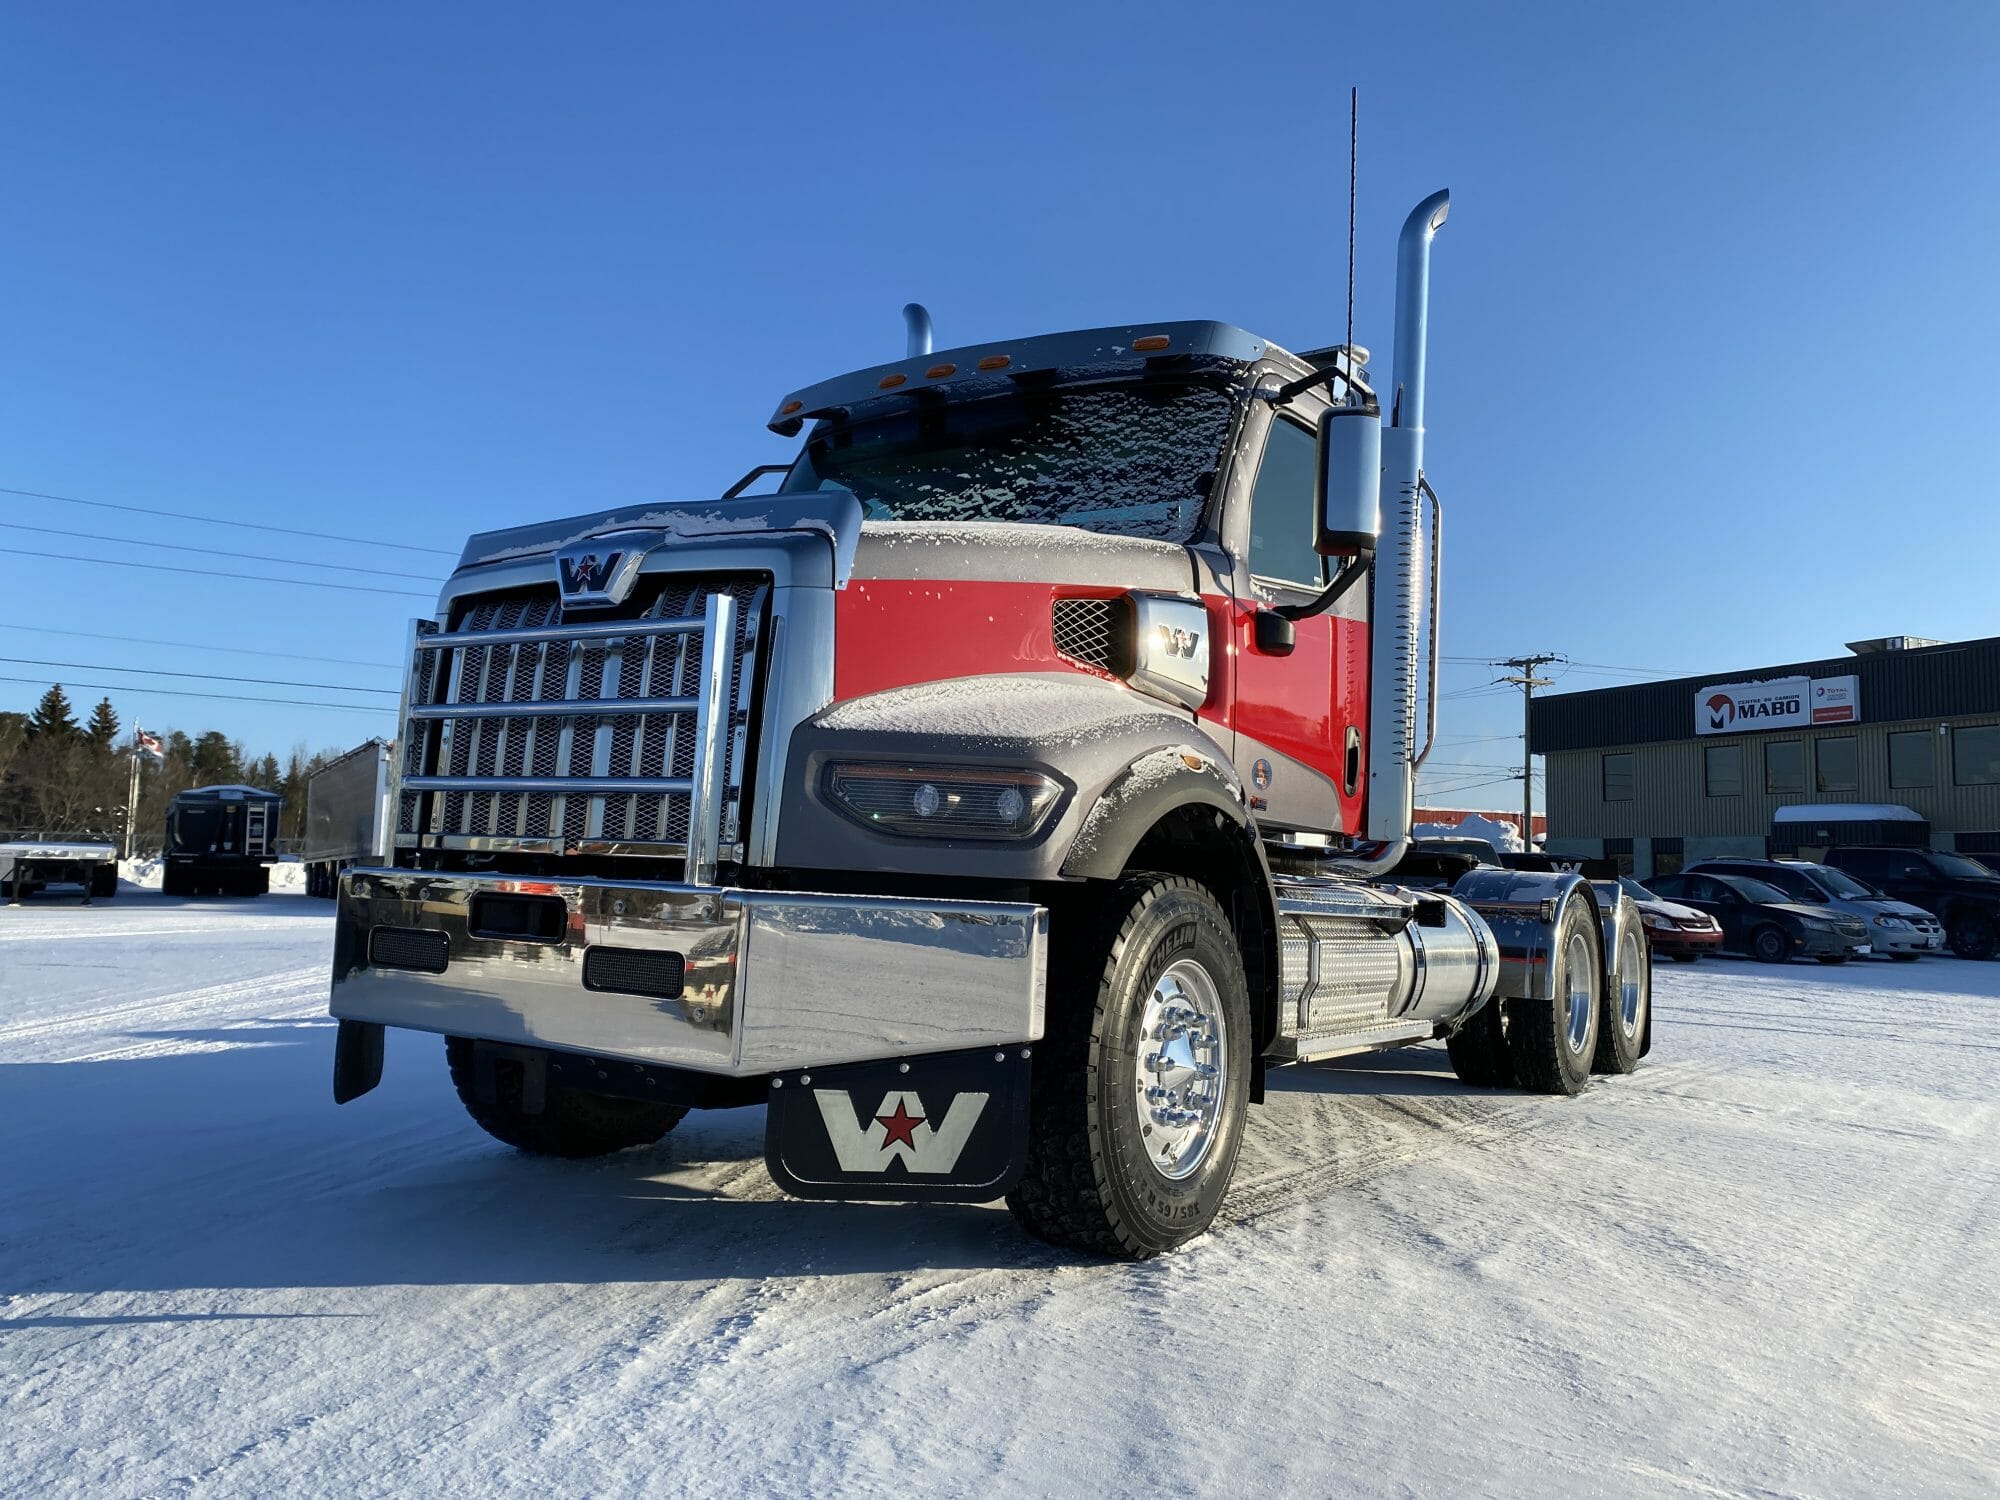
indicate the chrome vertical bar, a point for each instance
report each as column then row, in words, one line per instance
column 711, row 740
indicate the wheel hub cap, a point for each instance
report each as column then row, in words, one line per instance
column 1577, row 972
column 1182, row 1066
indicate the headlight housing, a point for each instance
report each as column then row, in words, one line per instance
column 1655, row 921
column 1814, row 924
column 943, row 802
column 1887, row 921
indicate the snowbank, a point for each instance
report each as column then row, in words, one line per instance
column 1501, row 834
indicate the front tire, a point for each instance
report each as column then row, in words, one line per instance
column 572, row 1123
column 1971, row 936
column 1770, row 945
column 1141, row 1082
column 1554, row 1041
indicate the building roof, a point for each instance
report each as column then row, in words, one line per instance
column 1930, row 682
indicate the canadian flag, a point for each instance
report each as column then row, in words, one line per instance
column 147, row 744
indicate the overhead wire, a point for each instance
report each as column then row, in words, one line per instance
column 98, row 666
column 127, row 687
column 234, row 555
column 182, row 515
column 139, row 640
column 304, row 583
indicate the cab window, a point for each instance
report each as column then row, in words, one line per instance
column 1282, row 525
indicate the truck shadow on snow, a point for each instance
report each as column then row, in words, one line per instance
column 225, row 1164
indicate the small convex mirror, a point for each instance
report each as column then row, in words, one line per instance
column 1350, row 481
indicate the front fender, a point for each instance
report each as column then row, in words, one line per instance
column 1089, row 734
column 1154, row 785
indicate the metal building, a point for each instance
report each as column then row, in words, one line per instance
column 1664, row 773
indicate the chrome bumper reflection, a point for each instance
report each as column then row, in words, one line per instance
column 773, row 979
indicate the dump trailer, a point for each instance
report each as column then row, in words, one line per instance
column 33, row 862
column 997, row 801
column 347, row 816
column 221, row 840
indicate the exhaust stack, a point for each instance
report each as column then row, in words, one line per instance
column 1399, row 571
column 917, row 327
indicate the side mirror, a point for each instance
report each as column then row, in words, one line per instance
column 1349, row 490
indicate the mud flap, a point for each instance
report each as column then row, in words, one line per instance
column 948, row 1128
column 357, row 1060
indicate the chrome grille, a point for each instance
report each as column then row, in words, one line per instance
column 605, row 747
column 1085, row 630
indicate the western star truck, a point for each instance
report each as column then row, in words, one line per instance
column 348, row 816
column 997, row 801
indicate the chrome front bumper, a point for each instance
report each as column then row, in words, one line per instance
column 772, row 979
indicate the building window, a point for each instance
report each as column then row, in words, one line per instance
column 1722, row 770
column 1785, row 766
column 1618, row 777
column 1910, row 763
column 1975, row 755
column 1838, row 764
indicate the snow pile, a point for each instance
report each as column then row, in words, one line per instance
column 1498, row 832
column 288, row 875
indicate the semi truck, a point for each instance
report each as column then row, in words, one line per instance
column 347, row 816
column 997, row 801
column 221, row 840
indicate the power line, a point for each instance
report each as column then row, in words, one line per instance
column 181, row 515
column 303, row 583
column 127, row 687
column 233, row 554
column 98, row 666
column 140, row 640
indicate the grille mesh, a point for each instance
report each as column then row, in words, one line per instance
column 639, row 665
column 1085, row 630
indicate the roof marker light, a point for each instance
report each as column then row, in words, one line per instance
column 995, row 362
column 890, row 382
column 789, row 407
column 938, row 372
column 1151, row 342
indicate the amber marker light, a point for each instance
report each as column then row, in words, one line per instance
column 791, row 406
column 995, row 362
column 1151, row 342
column 938, row 372
column 890, row 382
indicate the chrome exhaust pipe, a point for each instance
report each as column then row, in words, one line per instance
column 917, row 330
column 1399, row 572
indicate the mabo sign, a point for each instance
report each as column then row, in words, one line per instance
column 1781, row 703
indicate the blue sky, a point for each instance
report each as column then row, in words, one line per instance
column 1713, row 322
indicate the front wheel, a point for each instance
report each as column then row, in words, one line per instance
column 1141, row 1082
column 1770, row 945
column 1971, row 936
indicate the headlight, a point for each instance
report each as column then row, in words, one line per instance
column 967, row 802
column 1891, row 922
column 1814, row 924
column 1654, row 920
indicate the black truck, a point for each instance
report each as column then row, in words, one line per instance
column 221, row 840
column 1962, row 892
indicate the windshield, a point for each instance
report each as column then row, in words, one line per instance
column 1136, row 459
column 1958, row 867
column 1756, row 890
column 1635, row 890
column 1842, row 884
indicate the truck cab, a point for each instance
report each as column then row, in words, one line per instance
column 995, row 801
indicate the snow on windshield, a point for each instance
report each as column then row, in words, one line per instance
column 1136, row 459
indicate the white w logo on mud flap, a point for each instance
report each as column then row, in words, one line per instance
column 898, row 1131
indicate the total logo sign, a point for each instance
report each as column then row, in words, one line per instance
column 1781, row 703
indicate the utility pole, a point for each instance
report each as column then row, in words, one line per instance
column 1523, row 677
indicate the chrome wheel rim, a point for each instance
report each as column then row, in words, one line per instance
column 1576, row 976
column 1631, row 975
column 1183, row 1056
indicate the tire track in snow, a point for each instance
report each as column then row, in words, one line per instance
column 209, row 997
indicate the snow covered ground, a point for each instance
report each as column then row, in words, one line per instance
column 1764, row 1265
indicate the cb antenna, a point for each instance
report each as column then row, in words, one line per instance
column 1353, row 137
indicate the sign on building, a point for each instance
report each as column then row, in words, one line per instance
column 1781, row 703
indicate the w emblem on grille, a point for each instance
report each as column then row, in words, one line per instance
column 596, row 575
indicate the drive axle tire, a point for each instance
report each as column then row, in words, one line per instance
column 1971, row 936
column 572, row 1123
column 1141, row 1082
column 1554, row 1041
column 1478, row 1050
column 1628, row 1008
column 1770, row 945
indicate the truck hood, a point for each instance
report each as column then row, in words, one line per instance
column 1007, row 552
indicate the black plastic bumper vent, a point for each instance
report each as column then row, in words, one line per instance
column 418, row 948
column 635, row 971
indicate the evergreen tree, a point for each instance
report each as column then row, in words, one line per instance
column 53, row 716
column 214, row 761
column 103, row 730
column 268, row 775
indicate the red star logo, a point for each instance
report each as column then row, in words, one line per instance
column 901, row 1126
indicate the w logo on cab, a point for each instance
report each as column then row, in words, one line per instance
column 898, row 1131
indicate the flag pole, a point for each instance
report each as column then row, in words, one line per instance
column 132, row 794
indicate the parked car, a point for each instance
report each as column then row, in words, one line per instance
column 1963, row 892
column 1764, row 922
column 1894, row 927
column 1682, row 933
